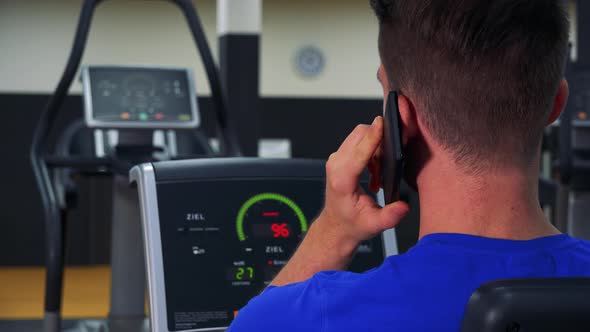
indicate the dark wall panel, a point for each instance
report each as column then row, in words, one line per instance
column 315, row 126
column 583, row 12
column 21, row 233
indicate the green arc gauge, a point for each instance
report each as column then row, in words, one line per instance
column 270, row 215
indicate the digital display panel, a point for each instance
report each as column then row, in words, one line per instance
column 140, row 96
column 271, row 230
column 223, row 242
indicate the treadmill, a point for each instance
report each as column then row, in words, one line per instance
column 132, row 142
column 217, row 231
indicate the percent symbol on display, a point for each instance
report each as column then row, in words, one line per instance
column 280, row 230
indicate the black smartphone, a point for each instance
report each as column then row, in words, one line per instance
column 392, row 163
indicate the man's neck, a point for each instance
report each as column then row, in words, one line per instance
column 502, row 204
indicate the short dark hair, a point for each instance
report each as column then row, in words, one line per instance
column 484, row 73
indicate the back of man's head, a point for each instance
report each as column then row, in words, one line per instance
column 482, row 74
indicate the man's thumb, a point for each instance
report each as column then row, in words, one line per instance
column 391, row 215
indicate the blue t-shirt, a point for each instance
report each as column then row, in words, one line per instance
column 425, row 289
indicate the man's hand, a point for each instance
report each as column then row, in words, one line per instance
column 350, row 216
column 351, row 213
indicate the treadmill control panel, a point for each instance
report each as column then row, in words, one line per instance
column 139, row 97
column 224, row 240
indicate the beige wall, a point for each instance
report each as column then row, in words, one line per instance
column 36, row 35
column 345, row 30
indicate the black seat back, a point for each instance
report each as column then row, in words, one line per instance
column 523, row 305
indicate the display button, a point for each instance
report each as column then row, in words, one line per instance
column 125, row 116
column 184, row 117
column 159, row 116
column 143, row 116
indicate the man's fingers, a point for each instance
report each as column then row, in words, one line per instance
column 378, row 219
column 366, row 148
column 392, row 214
column 345, row 166
column 354, row 138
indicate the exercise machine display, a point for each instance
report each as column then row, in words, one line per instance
column 127, row 107
column 217, row 231
column 139, row 97
column 136, row 112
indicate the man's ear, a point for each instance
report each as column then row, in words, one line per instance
column 408, row 117
column 560, row 101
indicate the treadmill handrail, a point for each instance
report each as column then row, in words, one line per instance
column 54, row 229
column 229, row 146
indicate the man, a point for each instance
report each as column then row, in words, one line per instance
column 478, row 81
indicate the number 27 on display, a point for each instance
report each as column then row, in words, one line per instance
column 243, row 270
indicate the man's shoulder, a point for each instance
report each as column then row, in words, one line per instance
column 314, row 290
column 583, row 245
column 379, row 277
column 294, row 307
column 581, row 250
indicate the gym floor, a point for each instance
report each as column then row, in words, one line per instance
column 86, row 292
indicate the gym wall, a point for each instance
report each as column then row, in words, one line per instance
column 36, row 36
